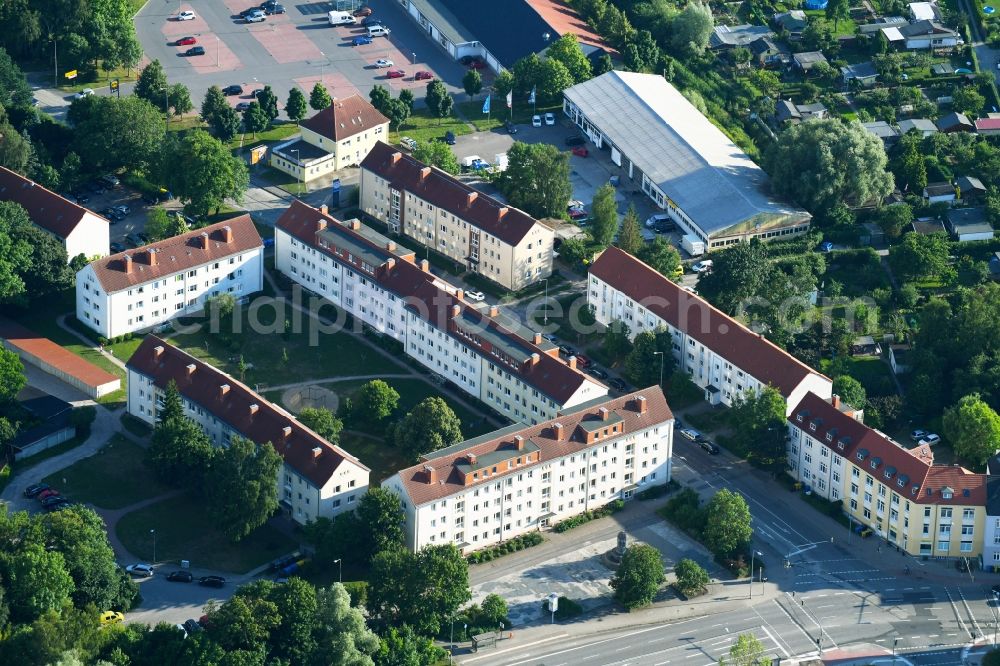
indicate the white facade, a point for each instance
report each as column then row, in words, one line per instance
column 91, row 237
column 148, row 304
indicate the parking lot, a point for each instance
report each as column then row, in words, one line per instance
column 99, row 199
column 295, row 48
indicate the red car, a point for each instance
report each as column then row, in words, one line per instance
column 45, row 494
column 185, row 41
column 580, row 151
column 364, row 11
column 477, row 64
column 395, row 74
column 422, row 74
column 583, row 362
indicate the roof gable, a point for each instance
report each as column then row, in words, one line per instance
column 47, row 210
column 344, row 118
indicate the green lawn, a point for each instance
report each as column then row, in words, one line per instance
column 265, row 347
column 185, row 531
column 499, row 112
column 873, row 373
column 382, row 459
column 278, row 178
column 113, row 478
column 277, row 132
column 421, row 126
column 101, row 79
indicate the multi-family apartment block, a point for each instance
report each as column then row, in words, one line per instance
column 520, row 479
column 717, row 352
column 517, row 373
column 80, row 231
column 140, row 288
column 317, row 479
column 897, row 492
column 439, row 211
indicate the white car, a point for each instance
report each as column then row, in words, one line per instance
column 186, row 16
column 407, row 142
column 702, row 266
column 383, row 62
column 655, row 219
column 930, row 439
column 550, row 119
column 145, row 570
column 690, row 433
column 476, row 296
column 257, row 17
column 86, row 92
column 536, row 121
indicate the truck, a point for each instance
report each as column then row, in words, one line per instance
column 340, row 18
column 693, row 245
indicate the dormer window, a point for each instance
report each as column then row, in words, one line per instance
column 930, row 491
column 900, row 482
column 800, row 417
column 829, row 436
column 947, row 493
column 874, row 463
column 841, row 445
column 915, row 490
column 812, row 426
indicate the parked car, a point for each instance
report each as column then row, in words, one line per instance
column 133, row 240
column 708, row 446
column 86, row 92
column 185, row 41
column 395, row 74
column 476, row 296
column 423, row 75
column 597, row 373
column 232, row 90
column 243, row 106
column 930, row 439
column 117, row 247
column 919, row 434
column 258, row 17
column 551, row 338
column 47, row 493
column 575, row 140
column 192, row 626
column 689, row 433
column 578, row 214
column 111, row 617
column 370, row 21
column 212, row 581
column 180, row 577
column 364, row 11
column 274, row 9
column 378, row 31
column 383, row 62
column 35, row 489
column 566, row 350
column 475, row 63
column 702, row 266
column 449, row 138
column 145, row 570
column 408, row 143
column 536, row 121
column 580, row 151
column 186, row 16
column 110, row 180
column 510, row 127
column 250, row 10
column 282, row 562
column 361, row 40
column 618, row 384
column 550, row 119
column 58, row 504
column 123, row 209
column 583, row 362
column 81, row 197
column 95, row 187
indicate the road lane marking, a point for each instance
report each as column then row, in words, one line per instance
column 775, row 640
column 954, row 607
column 975, row 623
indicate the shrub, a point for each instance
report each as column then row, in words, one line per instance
column 510, row 546
column 358, row 589
column 658, row 491
column 685, row 512
column 587, row 516
column 566, row 610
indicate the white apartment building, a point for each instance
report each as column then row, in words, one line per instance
column 718, row 353
column 317, row 479
column 441, row 212
column 80, row 231
column 517, row 373
column 137, row 289
column 519, row 479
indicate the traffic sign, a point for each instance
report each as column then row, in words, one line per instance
column 114, row 85
column 71, row 74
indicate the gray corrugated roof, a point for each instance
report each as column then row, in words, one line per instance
column 697, row 166
column 444, row 21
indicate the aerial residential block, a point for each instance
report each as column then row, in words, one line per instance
column 522, row 479
column 137, row 289
column 317, row 479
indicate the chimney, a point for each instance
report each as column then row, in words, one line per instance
column 254, row 408
column 535, row 358
column 320, row 224
column 390, row 246
column 835, row 401
column 501, row 212
column 519, row 442
column 317, row 452
column 223, row 390
column 640, row 404
column 151, row 256
column 426, row 171
column 227, row 234
column 286, row 432
column 472, row 197
column 127, row 263
column 190, row 369
column 471, row 457
column 390, row 263
column 431, row 475
column 494, row 311
column 460, row 294
column 157, row 351
column 537, row 339
column 355, row 224
column 203, row 240
column 425, row 266
column 571, row 362
column 324, row 209
column 456, row 310
column 558, row 430
column 396, row 157
column 604, row 413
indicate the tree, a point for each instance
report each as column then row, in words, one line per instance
column 827, row 162
column 692, row 29
column 893, row 219
column 727, row 523
column 296, row 106
column 211, row 174
column 472, row 82
column 12, row 378
column 503, row 84
column 397, row 112
column 630, row 235
column 15, row 252
column 920, row 255
column 432, row 425
column 911, row 167
column 638, row 577
column 850, row 391
column 70, row 171
column 403, row 647
column 970, row 272
column 643, row 363
column 746, row 651
column 435, row 91
column 439, row 154
column 375, row 400
column 119, row 133
column 604, row 65
column 152, row 85
column 240, row 489
column 553, row 78
column 14, row 88
column 973, row 429
column 159, row 225
column 35, row 581
column 179, row 98
column 323, row 422
column 319, row 98
column 660, row 255
column 494, row 610
column 406, row 97
column 968, row 100
column 567, row 50
column 45, row 269
column 759, row 417
column 381, row 513
column 180, row 451
column 255, row 119
column 537, row 179
column 444, row 106
column 617, row 341
column 738, row 275
column 16, row 151
column 837, row 11
column 604, row 215
column 341, row 631
column 527, row 73
column 268, row 102
column 226, row 124
column 380, row 97
column 692, row 579
column 641, row 52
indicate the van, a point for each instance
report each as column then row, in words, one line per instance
column 378, row 31
column 340, row 18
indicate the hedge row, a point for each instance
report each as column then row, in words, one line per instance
column 658, row 491
column 510, row 546
column 587, row 516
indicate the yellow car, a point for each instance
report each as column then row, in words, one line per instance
column 111, row 617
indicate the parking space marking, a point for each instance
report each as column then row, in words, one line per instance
column 284, row 42
column 335, row 83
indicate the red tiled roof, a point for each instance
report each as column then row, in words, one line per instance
column 46, row 209
column 912, row 468
column 988, row 124
column 345, row 117
column 176, row 254
column 52, row 354
column 563, row 19
column 235, row 407
column 693, row 315
column 448, row 193
column 450, row 480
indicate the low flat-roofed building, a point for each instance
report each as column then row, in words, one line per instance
column 969, row 224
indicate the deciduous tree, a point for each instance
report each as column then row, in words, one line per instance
column 119, row 133
column 439, row 154
column 727, row 523
column 973, row 429
column 268, row 102
column 375, row 400
column 152, row 85
column 240, row 487
column 837, row 11
column 616, row 339
column 738, row 275
column 759, row 417
column 537, row 179
column 638, row 577
column 968, row 100
column 649, row 350
column 323, row 422
column 179, row 98
column 567, row 50
column 746, row 651
column 850, row 391
column 692, row 29
column 341, row 630
column 604, row 215
column 472, row 82
column 661, row 256
column 255, row 119
column 380, row 97
column 160, row 225
column 381, row 513
column 920, row 255
column 630, row 235
column 432, row 425
column 211, row 173
column 319, row 98
column 692, row 579
column 296, row 106
column 35, row 581
column 12, row 378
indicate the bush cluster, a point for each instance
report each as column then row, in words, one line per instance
column 358, row 591
column 103, row 341
column 587, row 516
column 566, row 610
column 510, row 546
column 685, row 511
column 658, row 491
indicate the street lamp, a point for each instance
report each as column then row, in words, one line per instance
column 660, row 354
column 546, row 281
column 340, row 571
column 322, row 67
column 451, row 641
column 895, row 642
column 753, row 553
column 153, row 532
column 218, row 45
column 413, row 57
